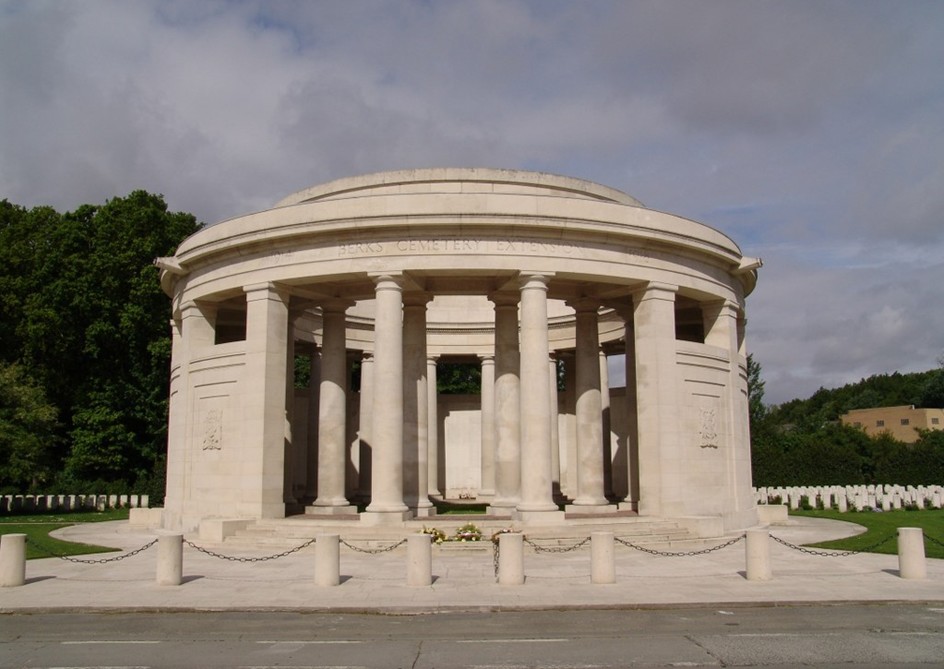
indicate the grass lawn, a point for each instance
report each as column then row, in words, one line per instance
column 885, row 524
column 37, row 527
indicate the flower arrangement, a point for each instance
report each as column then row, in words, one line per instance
column 468, row 532
column 435, row 536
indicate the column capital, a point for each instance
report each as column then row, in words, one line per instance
column 432, row 359
column 387, row 280
column 416, row 299
column 583, row 304
column 197, row 308
column 262, row 291
column 335, row 304
column 656, row 290
column 722, row 304
column 367, row 356
column 534, row 280
column 504, row 298
column 486, row 359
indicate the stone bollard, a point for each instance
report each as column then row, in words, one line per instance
column 911, row 562
column 419, row 554
column 12, row 560
column 511, row 558
column 602, row 563
column 328, row 560
column 758, row 555
column 170, row 559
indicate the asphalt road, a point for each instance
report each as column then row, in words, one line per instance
column 909, row 635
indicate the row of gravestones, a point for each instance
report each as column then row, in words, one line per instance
column 858, row 497
column 41, row 503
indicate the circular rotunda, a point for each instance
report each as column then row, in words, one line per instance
column 604, row 340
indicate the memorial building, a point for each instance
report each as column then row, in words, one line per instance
column 307, row 338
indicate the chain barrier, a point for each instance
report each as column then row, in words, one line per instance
column 934, row 541
column 374, row 551
column 538, row 548
column 703, row 551
column 811, row 551
column 69, row 558
column 237, row 558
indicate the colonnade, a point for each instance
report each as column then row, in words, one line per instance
column 520, row 452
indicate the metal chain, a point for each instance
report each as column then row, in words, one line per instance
column 703, row 551
column 555, row 549
column 68, row 558
column 810, row 551
column 374, row 551
column 236, row 558
column 933, row 540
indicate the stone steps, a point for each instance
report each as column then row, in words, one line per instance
column 293, row 531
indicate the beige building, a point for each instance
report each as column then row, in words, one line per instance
column 527, row 275
column 901, row 422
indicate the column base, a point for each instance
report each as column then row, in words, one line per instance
column 500, row 511
column 628, row 506
column 424, row 511
column 346, row 510
column 385, row 517
column 540, row 517
column 590, row 508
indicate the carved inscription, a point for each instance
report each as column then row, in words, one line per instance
column 455, row 245
column 708, row 431
column 213, row 430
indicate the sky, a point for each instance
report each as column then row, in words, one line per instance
column 810, row 132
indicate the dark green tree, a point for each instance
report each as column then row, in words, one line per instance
column 755, row 393
column 87, row 320
column 27, row 427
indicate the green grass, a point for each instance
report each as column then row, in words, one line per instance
column 881, row 525
column 37, row 527
column 454, row 509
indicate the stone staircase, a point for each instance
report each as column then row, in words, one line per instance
column 285, row 533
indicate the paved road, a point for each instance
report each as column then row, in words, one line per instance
column 909, row 635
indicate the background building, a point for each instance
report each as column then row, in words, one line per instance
column 901, row 422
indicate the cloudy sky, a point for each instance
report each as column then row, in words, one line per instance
column 810, row 132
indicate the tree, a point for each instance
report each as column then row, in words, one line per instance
column 84, row 315
column 755, row 393
column 932, row 394
column 27, row 426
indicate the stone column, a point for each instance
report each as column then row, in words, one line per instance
column 288, row 483
column 314, row 390
column 722, row 330
column 555, row 426
column 415, row 407
column 631, row 469
column 487, row 488
column 366, row 417
column 507, row 413
column 606, row 424
column 590, row 489
column 536, row 491
column 264, row 403
column 192, row 331
column 387, row 427
column 432, row 396
column 660, row 457
column 332, row 414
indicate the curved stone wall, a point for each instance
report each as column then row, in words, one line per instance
column 398, row 270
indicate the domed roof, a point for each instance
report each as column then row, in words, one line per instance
column 460, row 180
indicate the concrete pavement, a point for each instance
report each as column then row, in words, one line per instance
column 463, row 579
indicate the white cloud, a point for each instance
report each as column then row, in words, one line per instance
column 810, row 132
